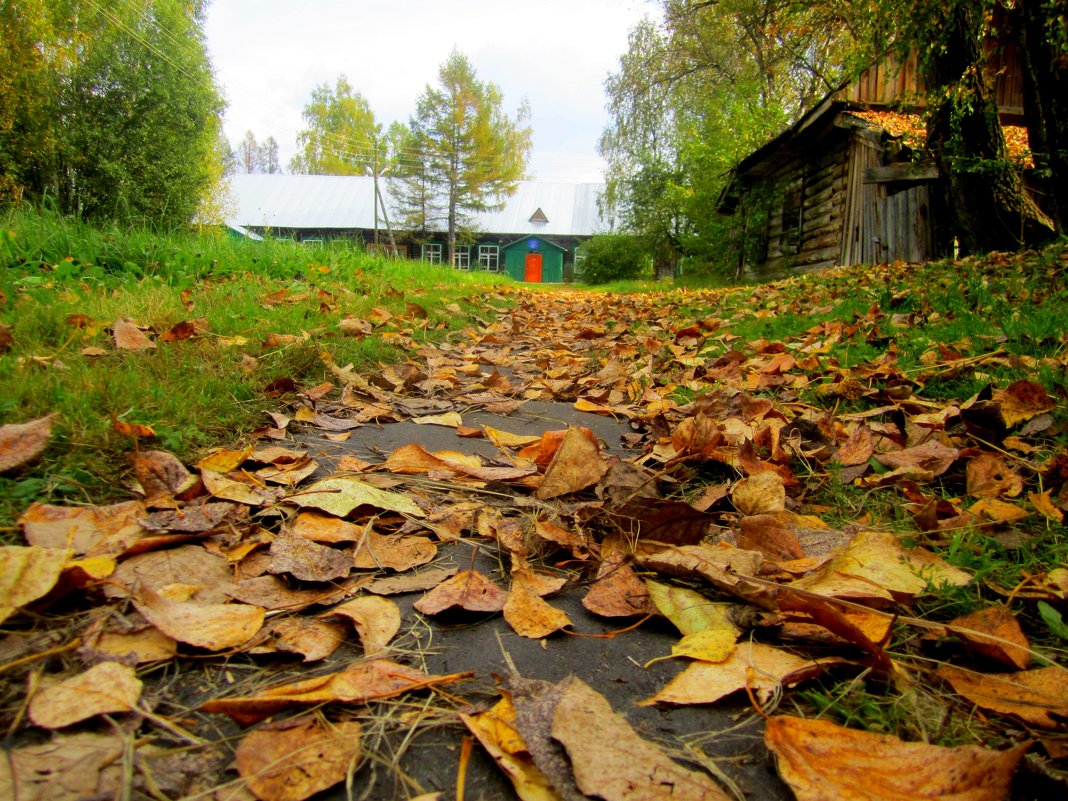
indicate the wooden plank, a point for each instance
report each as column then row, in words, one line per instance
column 901, row 172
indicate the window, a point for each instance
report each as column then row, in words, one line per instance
column 793, row 219
column 489, row 258
column 432, row 253
column 461, row 259
column 315, row 243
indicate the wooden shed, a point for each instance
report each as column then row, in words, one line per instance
column 535, row 259
column 840, row 186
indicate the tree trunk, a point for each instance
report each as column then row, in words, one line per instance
column 990, row 208
column 1045, row 73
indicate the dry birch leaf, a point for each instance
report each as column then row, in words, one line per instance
column 26, row 574
column 469, row 590
column 398, row 552
column 340, row 495
column 994, row 632
column 358, row 684
column 824, row 762
column 298, row 761
column 213, row 627
column 84, row 529
column 67, row 768
column 527, row 613
column 21, row 443
column 495, row 730
column 761, row 493
column 307, row 560
column 312, row 639
column 128, row 336
column 753, row 665
column 615, row 764
column 377, row 621
column 1039, row 697
column 576, row 465
column 105, row 688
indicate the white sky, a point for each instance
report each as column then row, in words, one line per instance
column 269, row 55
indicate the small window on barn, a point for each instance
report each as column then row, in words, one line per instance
column 793, row 213
column 489, row 258
column 461, row 259
column 432, row 253
column 539, row 217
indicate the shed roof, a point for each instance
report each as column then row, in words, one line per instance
column 347, row 202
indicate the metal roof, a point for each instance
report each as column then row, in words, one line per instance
column 334, row 201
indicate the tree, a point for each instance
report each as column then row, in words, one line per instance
column 341, row 133
column 470, row 152
column 269, row 161
column 415, row 198
column 111, row 112
column 248, row 154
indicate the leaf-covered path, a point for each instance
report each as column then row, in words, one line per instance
column 722, row 523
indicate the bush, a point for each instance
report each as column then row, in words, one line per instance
column 614, row 257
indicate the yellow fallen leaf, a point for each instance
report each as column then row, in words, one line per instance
column 292, row 762
column 824, row 762
column 449, row 420
column 495, row 730
column 26, row 574
column 105, row 688
column 1039, row 697
column 529, row 614
column 759, row 494
column 214, row 627
column 340, row 495
column 377, row 620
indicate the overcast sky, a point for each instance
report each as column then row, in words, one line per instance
column 270, row 54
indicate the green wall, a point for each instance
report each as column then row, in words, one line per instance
column 552, row 258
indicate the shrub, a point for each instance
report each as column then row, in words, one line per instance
column 614, row 257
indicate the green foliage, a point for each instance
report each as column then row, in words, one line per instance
column 614, row 257
column 341, row 137
column 113, row 113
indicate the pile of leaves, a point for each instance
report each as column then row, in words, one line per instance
column 804, row 498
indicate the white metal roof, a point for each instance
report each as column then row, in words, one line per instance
column 333, row 201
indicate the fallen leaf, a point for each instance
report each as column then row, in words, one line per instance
column 577, row 464
column 146, row 645
column 311, row 638
column 495, row 730
column 448, row 419
column 932, row 457
column 27, row 574
column 1043, row 503
column 160, row 474
column 411, row 582
column 392, row 551
column 689, row 610
column 272, row 593
column 989, row 476
column 67, row 768
column 1021, row 401
column 858, row 449
column 340, row 495
column 105, row 688
column 469, row 590
column 617, row 590
column 994, row 632
column 213, row 627
column 159, row 569
column 527, row 613
column 617, row 764
column 753, row 666
column 759, row 494
column 358, row 684
column 129, row 336
column 377, row 621
column 21, row 443
column 307, row 560
column 824, row 762
column 295, row 761
column 1038, row 697
column 319, row 527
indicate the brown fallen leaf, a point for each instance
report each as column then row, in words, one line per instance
column 307, row 560
column 617, row 590
column 576, row 465
column 105, row 688
column 21, row 443
column 990, row 476
column 527, row 613
column 753, row 666
column 158, row 569
column 468, row 590
column 129, row 336
column 1021, row 401
column 411, row 582
column 617, row 764
column 213, row 627
column 377, row 621
column 994, row 632
column 398, row 552
column 26, row 574
column 1039, row 697
column 160, row 474
column 932, row 457
column 66, row 768
column 858, row 449
column 824, row 762
column 148, row 644
column 357, row 684
column 293, row 761
column 272, row 593
column 312, row 639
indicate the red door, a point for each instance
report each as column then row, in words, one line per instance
column 533, row 271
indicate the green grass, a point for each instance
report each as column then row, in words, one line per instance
column 65, row 284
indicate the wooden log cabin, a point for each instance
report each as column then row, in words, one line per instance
column 841, row 185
